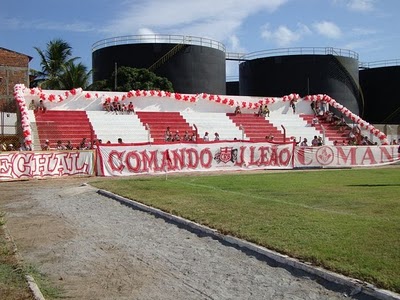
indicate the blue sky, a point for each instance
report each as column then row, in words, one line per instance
column 368, row 27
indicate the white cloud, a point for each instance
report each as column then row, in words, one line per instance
column 357, row 5
column 283, row 36
column 361, row 5
column 207, row 18
column 328, row 29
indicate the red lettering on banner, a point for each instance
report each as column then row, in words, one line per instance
column 6, row 166
column 203, row 154
column 273, row 161
column 41, row 164
column 301, row 156
column 193, row 158
column 22, row 165
column 240, row 158
column 179, row 158
column 389, row 156
column 115, row 160
column 133, row 162
column 253, row 161
column 150, row 161
column 342, row 156
column 282, row 160
column 368, row 155
column 29, row 164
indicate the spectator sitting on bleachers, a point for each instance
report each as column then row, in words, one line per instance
column 304, row 143
column 32, row 105
column 313, row 108
column 314, row 121
column 237, row 110
column 206, row 138
column 84, row 144
column 41, row 107
column 131, row 109
column 176, row 137
column 69, row 146
column 46, row 145
column 293, row 105
column 123, row 108
column 168, row 135
column 216, row 136
column 193, row 137
column 186, row 136
column 60, row 146
column 328, row 116
column 265, row 110
column 314, row 141
column 106, row 106
column 269, row 138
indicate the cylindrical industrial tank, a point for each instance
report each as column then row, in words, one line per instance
column 379, row 82
column 305, row 71
column 192, row 64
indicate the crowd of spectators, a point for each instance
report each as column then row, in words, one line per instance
column 118, row 107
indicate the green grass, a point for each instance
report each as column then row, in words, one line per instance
column 13, row 284
column 347, row 221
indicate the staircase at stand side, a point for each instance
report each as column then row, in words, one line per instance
column 157, row 122
column 332, row 132
column 256, row 128
column 212, row 122
column 54, row 125
column 109, row 126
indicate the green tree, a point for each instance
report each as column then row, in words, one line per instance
column 74, row 76
column 129, row 78
column 59, row 70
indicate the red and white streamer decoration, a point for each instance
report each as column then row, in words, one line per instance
column 345, row 111
column 26, row 125
column 19, row 91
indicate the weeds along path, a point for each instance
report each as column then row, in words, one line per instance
column 92, row 247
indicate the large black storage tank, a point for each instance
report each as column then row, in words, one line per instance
column 379, row 82
column 305, row 71
column 192, row 64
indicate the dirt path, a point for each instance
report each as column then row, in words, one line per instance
column 95, row 248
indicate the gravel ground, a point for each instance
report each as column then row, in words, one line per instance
column 95, row 248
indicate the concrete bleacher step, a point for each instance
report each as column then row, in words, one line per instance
column 295, row 126
column 110, row 127
column 332, row 132
column 159, row 121
column 214, row 122
column 256, row 127
column 54, row 125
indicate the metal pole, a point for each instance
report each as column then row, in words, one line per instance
column 115, row 77
column 284, row 133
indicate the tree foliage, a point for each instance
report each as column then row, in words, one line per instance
column 129, row 78
column 59, row 69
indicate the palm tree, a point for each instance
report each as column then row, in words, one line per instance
column 74, row 76
column 53, row 62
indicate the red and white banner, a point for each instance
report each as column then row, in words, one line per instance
column 346, row 156
column 128, row 160
column 23, row 165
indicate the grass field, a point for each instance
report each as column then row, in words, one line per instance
column 347, row 221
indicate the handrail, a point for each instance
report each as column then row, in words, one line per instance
column 284, row 133
column 158, row 39
column 301, row 51
column 147, row 126
column 242, row 129
column 379, row 64
column 197, row 132
column 323, row 134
